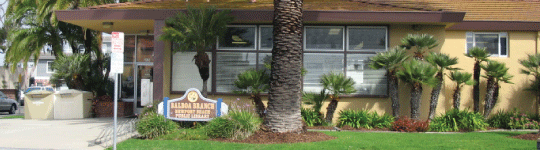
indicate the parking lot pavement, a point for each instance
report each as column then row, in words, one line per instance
column 52, row 134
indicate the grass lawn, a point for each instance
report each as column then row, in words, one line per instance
column 358, row 140
column 12, row 117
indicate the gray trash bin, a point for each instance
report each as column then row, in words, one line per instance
column 72, row 104
column 39, row 104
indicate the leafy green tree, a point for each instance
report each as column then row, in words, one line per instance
column 391, row 61
column 442, row 62
column 495, row 72
column 336, row 84
column 283, row 112
column 72, row 69
column 416, row 73
column 422, row 43
column 253, row 82
column 461, row 78
column 480, row 55
column 197, row 29
column 532, row 67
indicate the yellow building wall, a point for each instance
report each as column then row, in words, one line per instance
column 451, row 43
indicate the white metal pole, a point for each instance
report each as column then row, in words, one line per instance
column 115, row 108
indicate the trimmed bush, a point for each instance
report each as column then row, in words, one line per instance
column 500, row 119
column 364, row 119
column 235, row 125
column 152, row 125
column 312, row 117
column 514, row 120
column 406, row 124
column 456, row 120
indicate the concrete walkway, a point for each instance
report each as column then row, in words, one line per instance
column 52, row 134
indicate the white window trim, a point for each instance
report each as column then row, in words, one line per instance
column 305, row 41
column 364, row 27
column 254, row 48
column 498, row 38
column 260, row 37
column 47, row 71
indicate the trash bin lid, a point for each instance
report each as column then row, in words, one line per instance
column 38, row 93
column 70, row 92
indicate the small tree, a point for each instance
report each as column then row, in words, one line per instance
column 315, row 99
column 416, row 73
column 532, row 67
column 336, row 84
column 460, row 79
column 480, row 55
column 254, row 82
column 390, row 61
column 441, row 62
column 495, row 72
column 72, row 69
column 422, row 43
column 198, row 30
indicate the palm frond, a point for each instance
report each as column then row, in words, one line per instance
column 389, row 60
column 496, row 70
column 478, row 53
column 420, row 41
column 337, row 84
column 415, row 71
column 442, row 61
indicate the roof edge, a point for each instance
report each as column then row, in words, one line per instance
column 497, row 26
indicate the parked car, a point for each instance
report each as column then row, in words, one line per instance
column 7, row 104
column 45, row 88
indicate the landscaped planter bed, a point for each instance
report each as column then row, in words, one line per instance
column 262, row 137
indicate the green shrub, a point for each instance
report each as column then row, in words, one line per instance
column 364, row 119
column 514, row 120
column 152, row 125
column 406, row 124
column 500, row 119
column 235, row 125
column 312, row 117
column 456, row 120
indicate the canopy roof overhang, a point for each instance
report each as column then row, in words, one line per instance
column 135, row 21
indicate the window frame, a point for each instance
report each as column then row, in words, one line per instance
column 366, row 27
column 255, row 43
column 49, row 66
column 498, row 40
column 260, row 37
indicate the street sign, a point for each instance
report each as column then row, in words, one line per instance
column 117, row 55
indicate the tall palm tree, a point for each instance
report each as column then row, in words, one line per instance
column 495, row 72
column 253, row 82
column 391, row 61
column 461, row 78
column 480, row 55
column 442, row 62
column 283, row 112
column 422, row 43
column 416, row 73
column 337, row 84
column 197, row 30
column 532, row 67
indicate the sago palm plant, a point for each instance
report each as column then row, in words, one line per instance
column 416, row 73
column 254, row 82
column 479, row 55
column 391, row 61
column 442, row 62
column 495, row 72
column 461, row 78
column 532, row 67
column 197, row 30
column 422, row 43
column 315, row 99
column 336, row 84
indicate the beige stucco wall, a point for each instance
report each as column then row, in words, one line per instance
column 452, row 43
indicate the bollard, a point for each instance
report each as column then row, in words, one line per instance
column 218, row 111
column 165, row 107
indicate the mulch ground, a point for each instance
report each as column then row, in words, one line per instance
column 262, row 137
column 530, row 136
column 362, row 129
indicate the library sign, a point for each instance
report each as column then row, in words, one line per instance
column 193, row 107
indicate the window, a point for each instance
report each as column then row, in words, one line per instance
column 238, row 37
column 495, row 43
column 326, row 49
column 49, row 67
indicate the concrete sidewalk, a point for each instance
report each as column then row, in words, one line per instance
column 52, row 134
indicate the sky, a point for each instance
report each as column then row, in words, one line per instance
column 3, row 10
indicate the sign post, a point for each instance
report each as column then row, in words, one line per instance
column 117, row 68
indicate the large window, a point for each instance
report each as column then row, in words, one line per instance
column 49, row 67
column 495, row 43
column 326, row 49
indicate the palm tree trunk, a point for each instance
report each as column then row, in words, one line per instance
column 330, row 110
column 476, row 87
column 88, row 41
column 416, row 95
column 393, row 91
column 259, row 105
column 204, row 91
column 490, row 93
column 283, row 112
column 435, row 96
column 202, row 61
column 457, row 97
